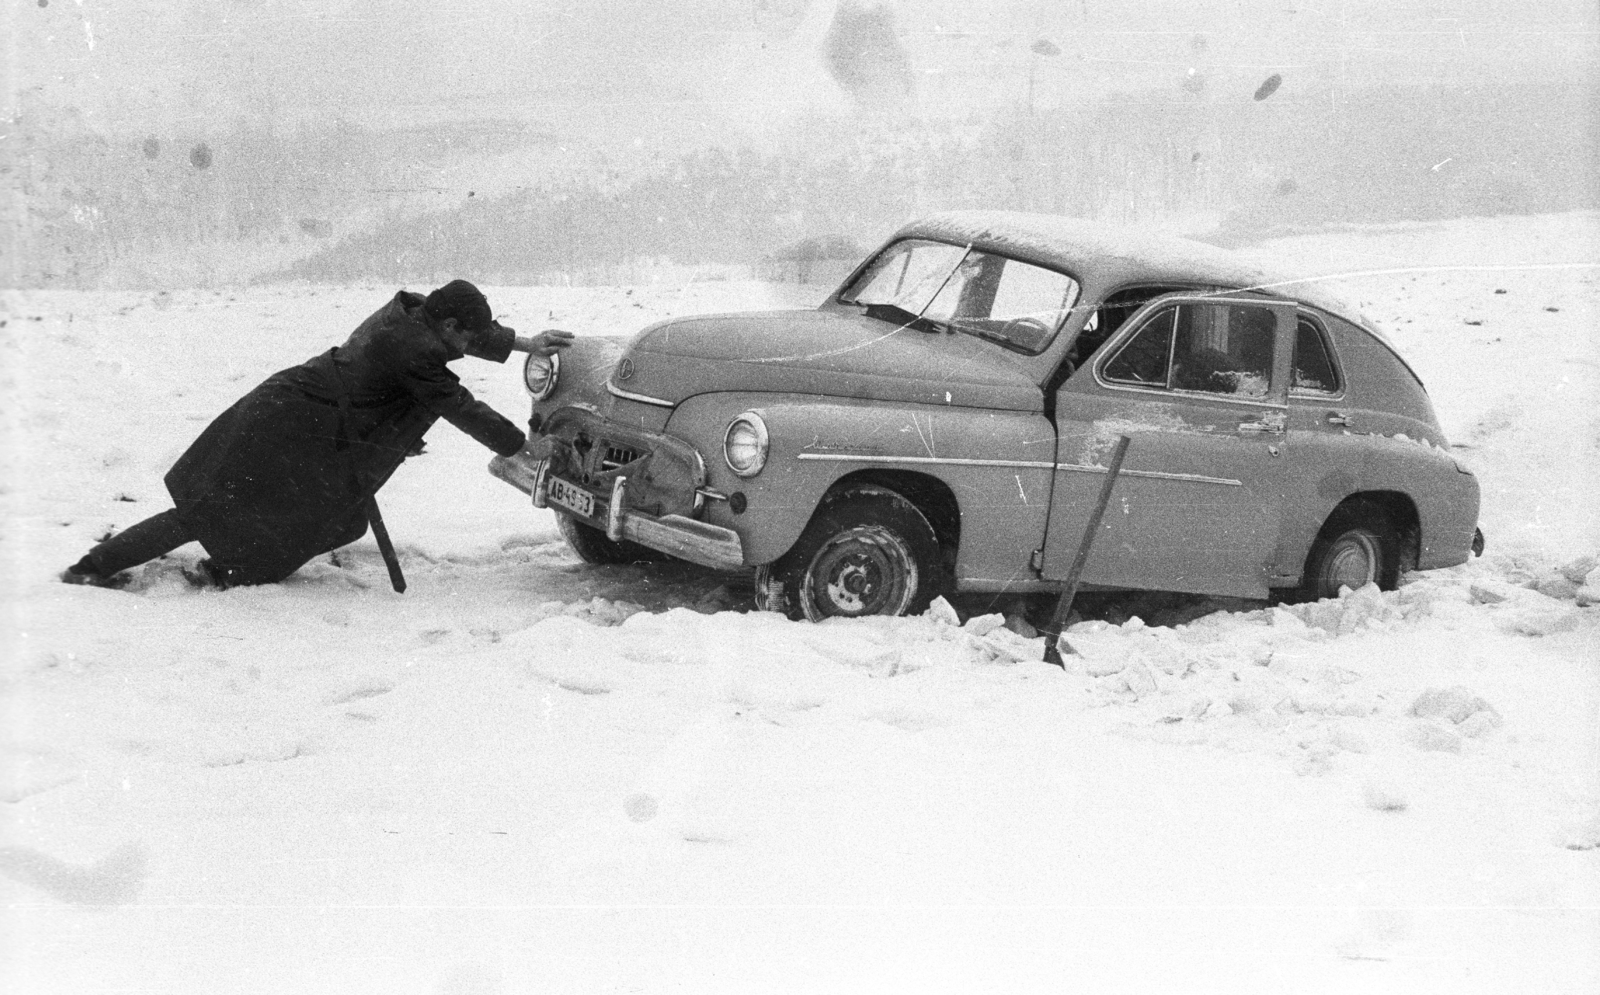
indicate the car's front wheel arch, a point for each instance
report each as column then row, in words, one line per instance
column 931, row 496
column 867, row 550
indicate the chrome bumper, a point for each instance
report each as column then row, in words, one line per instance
column 698, row 542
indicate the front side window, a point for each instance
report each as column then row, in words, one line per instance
column 1206, row 348
column 1145, row 358
column 1012, row 303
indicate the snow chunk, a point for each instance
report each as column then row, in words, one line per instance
column 1580, row 570
column 982, row 625
column 1021, row 626
column 1138, row 679
column 1099, row 645
column 1433, row 737
column 1349, row 612
column 1383, row 797
column 602, row 611
column 1555, row 585
column 1589, row 593
column 1457, row 704
column 1490, row 592
column 943, row 612
column 1350, row 739
column 1541, row 621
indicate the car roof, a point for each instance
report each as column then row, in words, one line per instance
column 1126, row 255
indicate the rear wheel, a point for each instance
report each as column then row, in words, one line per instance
column 1358, row 545
column 594, row 546
column 867, row 551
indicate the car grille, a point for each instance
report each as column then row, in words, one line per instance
column 616, row 456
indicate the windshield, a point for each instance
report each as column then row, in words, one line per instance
column 1012, row 303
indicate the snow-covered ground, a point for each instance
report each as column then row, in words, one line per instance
column 531, row 775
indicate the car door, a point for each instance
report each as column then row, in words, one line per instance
column 1199, row 385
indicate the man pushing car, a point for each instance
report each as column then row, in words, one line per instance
column 290, row 470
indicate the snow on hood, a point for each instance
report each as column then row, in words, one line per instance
column 825, row 352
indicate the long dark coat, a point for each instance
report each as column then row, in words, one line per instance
column 285, row 473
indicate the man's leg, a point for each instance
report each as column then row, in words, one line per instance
column 136, row 544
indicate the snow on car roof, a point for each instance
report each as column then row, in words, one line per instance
column 1122, row 254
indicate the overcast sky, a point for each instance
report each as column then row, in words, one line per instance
column 143, row 63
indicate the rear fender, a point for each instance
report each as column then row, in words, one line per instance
column 1445, row 498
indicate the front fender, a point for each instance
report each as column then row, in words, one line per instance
column 585, row 367
column 997, row 464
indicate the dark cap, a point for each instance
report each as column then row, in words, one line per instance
column 462, row 301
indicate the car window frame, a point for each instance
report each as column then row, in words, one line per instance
column 1323, row 332
column 1285, row 312
column 1060, row 326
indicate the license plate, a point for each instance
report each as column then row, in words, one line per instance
column 571, row 497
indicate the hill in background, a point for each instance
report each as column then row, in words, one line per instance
column 290, row 142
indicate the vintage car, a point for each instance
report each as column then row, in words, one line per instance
column 942, row 422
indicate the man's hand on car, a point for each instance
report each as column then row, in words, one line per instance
column 546, row 343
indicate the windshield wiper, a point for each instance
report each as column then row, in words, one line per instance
column 982, row 333
column 898, row 315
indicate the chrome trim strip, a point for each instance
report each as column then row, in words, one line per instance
column 629, row 395
column 953, row 461
column 1193, row 478
column 1174, row 395
column 1024, row 464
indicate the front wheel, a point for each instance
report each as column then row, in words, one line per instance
column 867, row 551
column 594, row 546
column 1358, row 545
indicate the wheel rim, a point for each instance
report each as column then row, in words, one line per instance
column 863, row 571
column 1352, row 561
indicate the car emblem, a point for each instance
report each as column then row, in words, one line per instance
column 625, row 369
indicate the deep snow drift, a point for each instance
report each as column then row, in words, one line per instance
column 531, row 775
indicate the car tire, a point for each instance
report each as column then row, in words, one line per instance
column 594, row 546
column 867, row 551
column 1357, row 545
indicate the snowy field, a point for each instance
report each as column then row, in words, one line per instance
column 529, row 775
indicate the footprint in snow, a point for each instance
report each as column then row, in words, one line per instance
column 115, row 879
column 356, row 695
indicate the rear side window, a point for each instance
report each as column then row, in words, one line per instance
column 1314, row 371
column 1206, row 348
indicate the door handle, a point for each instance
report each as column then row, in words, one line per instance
column 1338, row 418
column 1268, row 423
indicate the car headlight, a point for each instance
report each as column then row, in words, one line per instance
column 540, row 373
column 745, row 445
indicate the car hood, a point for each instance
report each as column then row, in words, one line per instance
column 827, row 352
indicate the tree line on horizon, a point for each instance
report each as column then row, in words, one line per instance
column 1296, row 161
